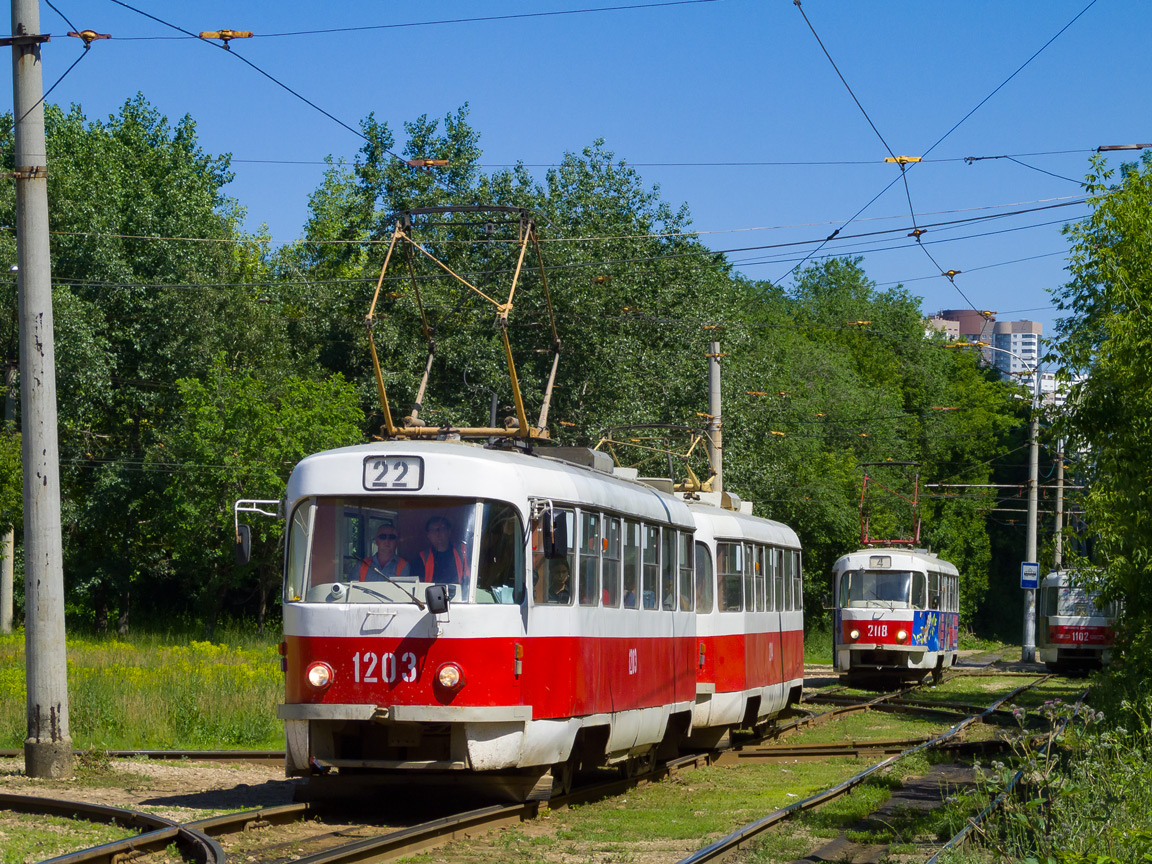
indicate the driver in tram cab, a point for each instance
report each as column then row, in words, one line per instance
column 385, row 564
column 444, row 560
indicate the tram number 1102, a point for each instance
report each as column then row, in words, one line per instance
column 370, row 668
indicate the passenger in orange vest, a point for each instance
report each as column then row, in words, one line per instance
column 385, row 564
column 445, row 561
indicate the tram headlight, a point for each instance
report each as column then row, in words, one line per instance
column 853, row 635
column 901, row 635
column 319, row 675
column 450, row 676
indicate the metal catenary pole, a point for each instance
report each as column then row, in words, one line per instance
column 48, row 747
column 1059, row 553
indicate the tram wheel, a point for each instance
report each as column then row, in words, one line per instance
column 638, row 766
column 563, row 775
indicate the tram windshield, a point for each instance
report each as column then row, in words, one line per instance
column 377, row 550
column 1074, row 602
column 887, row 589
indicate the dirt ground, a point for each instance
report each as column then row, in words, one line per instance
column 177, row 790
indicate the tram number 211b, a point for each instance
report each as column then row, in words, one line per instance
column 370, row 668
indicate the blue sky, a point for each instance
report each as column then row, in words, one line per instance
column 730, row 106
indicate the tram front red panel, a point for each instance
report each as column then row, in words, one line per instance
column 561, row 676
column 1080, row 634
column 882, row 632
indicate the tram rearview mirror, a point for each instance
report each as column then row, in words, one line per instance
column 436, row 596
column 243, row 544
column 555, row 535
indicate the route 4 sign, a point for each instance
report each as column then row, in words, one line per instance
column 1029, row 575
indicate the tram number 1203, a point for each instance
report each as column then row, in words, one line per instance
column 370, row 668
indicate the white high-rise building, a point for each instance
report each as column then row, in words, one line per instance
column 1019, row 348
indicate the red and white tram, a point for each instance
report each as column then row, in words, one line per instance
column 897, row 614
column 1073, row 631
column 452, row 612
column 750, row 621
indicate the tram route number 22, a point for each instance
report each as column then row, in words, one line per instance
column 370, row 668
column 393, row 472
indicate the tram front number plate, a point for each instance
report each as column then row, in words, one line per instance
column 393, row 473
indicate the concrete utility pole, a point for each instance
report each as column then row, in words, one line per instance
column 8, row 540
column 1028, row 654
column 715, row 435
column 48, row 747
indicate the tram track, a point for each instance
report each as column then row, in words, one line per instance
column 198, row 839
column 741, row 837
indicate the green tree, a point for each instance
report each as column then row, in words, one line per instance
column 1106, row 339
column 152, row 279
column 238, row 436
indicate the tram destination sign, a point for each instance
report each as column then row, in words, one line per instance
column 1029, row 575
column 393, row 473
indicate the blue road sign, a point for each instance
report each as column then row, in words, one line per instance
column 1029, row 575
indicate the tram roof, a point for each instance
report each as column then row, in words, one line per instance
column 733, row 525
column 456, row 468
column 902, row 558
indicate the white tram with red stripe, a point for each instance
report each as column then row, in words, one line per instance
column 1074, row 632
column 897, row 615
column 597, row 621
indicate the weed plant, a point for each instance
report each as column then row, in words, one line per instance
column 1084, row 800
column 156, row 692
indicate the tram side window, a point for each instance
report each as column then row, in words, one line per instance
column 919, row 591
column 650, row 569
column 933, row 590
column 704, row 580
column 611, row 562
column 589, row 559
column 668, row 568
column 554, row 579
column 632, row 548
column 298, row 550
column 797, row 580
column 761, row 578
column 786, row 600
column 500, row 572
column 686, row 571
column 749, row 586
column 730, row 576
column 778, row 579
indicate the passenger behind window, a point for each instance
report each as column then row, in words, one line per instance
column 559, row 582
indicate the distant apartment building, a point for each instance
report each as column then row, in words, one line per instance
column 950, row 329
column 971, row 325
column 1018, row 347
column 1013, row 347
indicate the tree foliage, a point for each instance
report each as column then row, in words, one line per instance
column 196, row 365
column 1107, row 338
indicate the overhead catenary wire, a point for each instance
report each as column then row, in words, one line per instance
column 903, row 173
column 363, row 28
column 252, row 65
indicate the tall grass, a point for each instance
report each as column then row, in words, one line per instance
column 156, row 691
column 818, row 645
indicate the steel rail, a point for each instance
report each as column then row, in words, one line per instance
column 962, row 835
column 742, row 836
column 159, row 832
column 190, row 755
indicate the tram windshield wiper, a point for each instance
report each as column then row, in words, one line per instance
column 411, row 595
